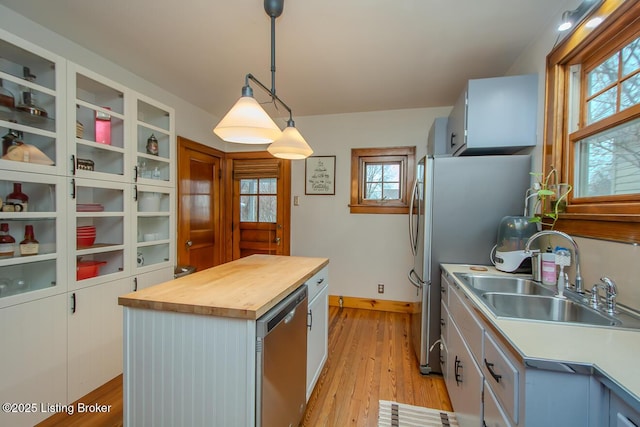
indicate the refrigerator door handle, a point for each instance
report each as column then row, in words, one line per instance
column 412, row 237
column 414, row 279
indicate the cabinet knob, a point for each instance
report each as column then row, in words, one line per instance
column 189, row 243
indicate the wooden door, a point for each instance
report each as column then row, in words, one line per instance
column 200, row 225
column 259, row 204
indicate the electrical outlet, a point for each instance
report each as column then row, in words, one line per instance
column 381, row 288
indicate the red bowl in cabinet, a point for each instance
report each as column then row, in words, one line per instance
column 84, row 241
column 88, row 269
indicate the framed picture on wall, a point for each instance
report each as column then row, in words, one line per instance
column 320, row 172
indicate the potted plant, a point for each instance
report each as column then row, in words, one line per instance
column 551, row 198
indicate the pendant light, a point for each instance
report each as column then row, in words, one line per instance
column 248, row 123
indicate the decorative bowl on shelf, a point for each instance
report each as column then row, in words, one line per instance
column 88, row 269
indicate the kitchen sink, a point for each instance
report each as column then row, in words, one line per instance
column 504, row 284
column 522, row 298
column 549, row 308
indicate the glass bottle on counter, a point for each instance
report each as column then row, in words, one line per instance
column 7, row 242
column 29, row 246
column 18, row 199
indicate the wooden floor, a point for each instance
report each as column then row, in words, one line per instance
column 370, row 358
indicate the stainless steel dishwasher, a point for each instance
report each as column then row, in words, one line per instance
column 281, row 362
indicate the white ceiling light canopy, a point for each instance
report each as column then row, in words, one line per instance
column 571, row 18
column 248, row 123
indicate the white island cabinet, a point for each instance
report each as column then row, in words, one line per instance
column 190, row 343
column 318, row 325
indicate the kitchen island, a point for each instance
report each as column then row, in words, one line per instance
column 190, row 343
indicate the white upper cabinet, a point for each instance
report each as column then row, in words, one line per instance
column 31, row 107
column 155, row 146
column 97, row 120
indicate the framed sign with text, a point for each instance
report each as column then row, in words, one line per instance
column 320, row 172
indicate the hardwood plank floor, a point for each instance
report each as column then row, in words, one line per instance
column 370, row 358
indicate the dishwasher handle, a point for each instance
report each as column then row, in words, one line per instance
column 290, row 316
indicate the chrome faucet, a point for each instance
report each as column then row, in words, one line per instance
column 611, row 290
column 576, row 253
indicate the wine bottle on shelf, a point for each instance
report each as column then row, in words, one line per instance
column 7, row 242
column 29, row 246
column 18, row 199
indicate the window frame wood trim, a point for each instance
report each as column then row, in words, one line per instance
column 617, row 221
column 358, row 205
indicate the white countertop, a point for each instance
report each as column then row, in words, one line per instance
column 613, row 352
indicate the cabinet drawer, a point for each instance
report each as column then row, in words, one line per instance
column 470, row 328
column 502, row 377
column 317, row 282
column 494, row 416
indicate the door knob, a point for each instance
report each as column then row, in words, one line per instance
column 189, row 243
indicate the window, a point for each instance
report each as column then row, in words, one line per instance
column 258, row 200
column 380, row 179
column 593, row 124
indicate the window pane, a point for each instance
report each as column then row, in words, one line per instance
column 603, row 75
column 391, row 190
column 630, row 94
column 248, row 208
column 630, row 58
column 248, row 186
column 268, row 186
column 609, row 163
column 373, row 191
column 602, row 105
column 268, row 207
column 373, row 172
column 391, row 173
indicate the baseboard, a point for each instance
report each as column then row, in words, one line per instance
column 374, row 304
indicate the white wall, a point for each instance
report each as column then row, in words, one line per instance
column 191, row 122
column 598, row 258
column 365, row 249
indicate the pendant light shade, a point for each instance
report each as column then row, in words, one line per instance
column 247, row 123
column 291, row 145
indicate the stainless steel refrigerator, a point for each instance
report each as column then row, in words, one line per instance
column 456, row 207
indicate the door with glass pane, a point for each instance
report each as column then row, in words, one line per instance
column 260, row 207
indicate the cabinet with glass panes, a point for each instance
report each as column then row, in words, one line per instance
column 97, row 121
column 31, row 268
column 154, row 225
column 155, row 143
column 30, row 107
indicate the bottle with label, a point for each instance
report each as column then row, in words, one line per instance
column 549, row 276
column 7, row 242
column 18, row 199
column 29, row 246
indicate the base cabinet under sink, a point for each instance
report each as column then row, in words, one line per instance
column 489, row 384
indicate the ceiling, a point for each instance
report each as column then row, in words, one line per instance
column 332, row 56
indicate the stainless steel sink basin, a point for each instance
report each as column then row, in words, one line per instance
column 480, row 284
column 547, row 308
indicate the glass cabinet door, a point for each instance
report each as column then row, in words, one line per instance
column 155, row 228
column 30, row 267
column 30, row 107
column 97, row 120
column 155, row 146
column 98, row 231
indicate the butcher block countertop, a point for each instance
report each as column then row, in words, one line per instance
column 245, row 288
